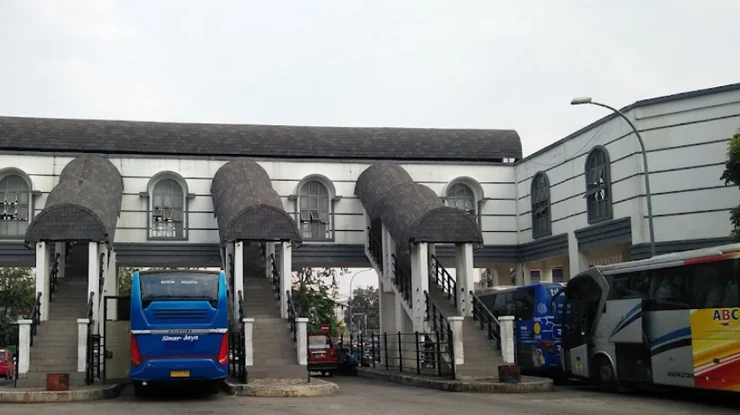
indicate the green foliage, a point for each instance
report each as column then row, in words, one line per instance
column 314, row 291
column 17, row 286
column 365, row 300
column 731, row 175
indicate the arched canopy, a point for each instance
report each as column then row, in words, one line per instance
column 84, row 206
column 247, row 207
column 410, row 211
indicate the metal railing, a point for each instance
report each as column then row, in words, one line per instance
column 230, row 266
column 436, row 319
column 275, row 273
column 95, row 355
column 237, row 346
column 375, row 248
column 426, row 354
column 444, row 280
column 292, row 316
column 101, row 274
column 35, row 317
column 54, row 276
column 401, row 279
column 488, row 322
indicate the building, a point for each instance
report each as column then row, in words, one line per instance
column 172, row 194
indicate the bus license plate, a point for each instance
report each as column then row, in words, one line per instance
column 319, row 355
column 180, row 374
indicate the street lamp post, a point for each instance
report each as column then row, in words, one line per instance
column 350, row 296
column 588, row 100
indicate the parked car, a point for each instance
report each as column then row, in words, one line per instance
column 7, row 367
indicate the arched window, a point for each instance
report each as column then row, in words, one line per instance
column 541, row 215
column 15, row 212
column 598, row 185
column 461, row 196
column 314, row 211
column 167, row 210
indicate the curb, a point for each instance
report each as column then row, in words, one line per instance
column 529, row 384
column 72, row 395
column 317, row 387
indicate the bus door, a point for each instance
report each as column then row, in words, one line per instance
column 585, row 299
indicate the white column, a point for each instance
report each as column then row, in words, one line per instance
column 93, row 275
column 112, row 285
column 60, row 250
column 302, row 344
column 456, row 325
column 248, row 341
column 238, row 274
column 507, row 338
column 286, row 268
column 24, row 346
column 387, row 308
column 465, row 277
column 522, row 274
column 269, row 252
column 419, row 284
column 82, row 325
column 387, row 259
column 577, row 260
column 103, row 272
column 42, row 277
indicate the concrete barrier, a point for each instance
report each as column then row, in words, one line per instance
column 282, row 388
column 91, row 393
column 528, row 384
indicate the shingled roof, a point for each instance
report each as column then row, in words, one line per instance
column 246, row 206
column 268, row 141
column 84, row 206
column 410, row 211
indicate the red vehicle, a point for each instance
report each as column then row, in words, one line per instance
column 322, row 353
column 7, row 368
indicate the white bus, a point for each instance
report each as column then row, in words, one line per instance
column 670, row 320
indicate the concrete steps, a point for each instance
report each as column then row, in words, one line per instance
column 274, row 350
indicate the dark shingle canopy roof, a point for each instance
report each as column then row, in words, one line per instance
column 269, row 141
column 84, row 206
column 410, row 211
column 246, row 206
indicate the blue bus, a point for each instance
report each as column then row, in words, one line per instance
column 179, row 328
column 536, row 309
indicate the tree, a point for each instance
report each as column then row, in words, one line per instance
column 17, row 287
column 314, row 294
column 732, row 175
column 365, row 300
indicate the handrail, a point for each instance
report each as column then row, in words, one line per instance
column 440, row 324
column 402, row 281
column 292, row 315
column 488, row 321
column 444, row 280
column 90, row 305
column 53, row 276
column 275, row 272
column 35, row 317
column 241, row 306
column 375, row 248
column 101, row 275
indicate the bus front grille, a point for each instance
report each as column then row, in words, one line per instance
column 180, row 315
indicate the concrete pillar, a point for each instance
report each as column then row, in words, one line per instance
column 269, row 252
column 112, row 284
column 419, row 284
column 387, row 264
column 93, row 278
column 465, row 277
column 456, row 325
column 238, row 275
column 60, row 250
column 522, row 274
column 507, row 338
column 302, row 343
column 577, row 260
column 286, row 268
column 248, row 325
column 546, row 274
column 43, row 266
column 82, row 327
column 24, row 346
column 387, row 308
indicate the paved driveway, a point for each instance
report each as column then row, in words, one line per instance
column 361, row 396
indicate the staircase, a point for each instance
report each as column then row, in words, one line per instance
column 482, row 358
column 274, row 350
column 55, row 345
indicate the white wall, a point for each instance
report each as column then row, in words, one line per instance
column 493, row 182
column 686, row 142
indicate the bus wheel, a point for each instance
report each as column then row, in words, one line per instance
column 604, row 372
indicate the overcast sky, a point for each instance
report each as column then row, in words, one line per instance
column 420, row 63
